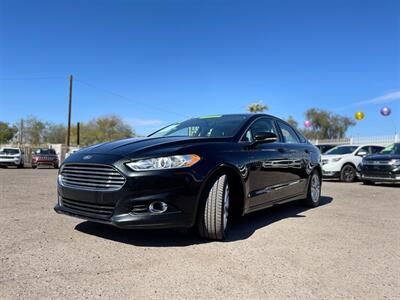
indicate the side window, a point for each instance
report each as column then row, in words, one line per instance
column 376, row 149
column 365, row 148
column 288, row 134
column 301, row 137
column 261, row 125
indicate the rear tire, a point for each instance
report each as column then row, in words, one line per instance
column 314, row 190
column 214, row 210
column 21, row 165
column 348, row 173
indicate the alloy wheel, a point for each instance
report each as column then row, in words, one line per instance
column 348, row 174
column 226, row 206
column 315, row 188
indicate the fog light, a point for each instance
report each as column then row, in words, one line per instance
column 158, row 207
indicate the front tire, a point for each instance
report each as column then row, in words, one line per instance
column 214, row 211
column 348, row 173
column 314, row 190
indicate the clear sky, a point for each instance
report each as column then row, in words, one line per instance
column 157, row 61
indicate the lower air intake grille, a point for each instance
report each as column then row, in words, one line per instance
column 88, row 209
column 91, row 177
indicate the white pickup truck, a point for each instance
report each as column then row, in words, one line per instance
column 342, row 161
column 11, row 157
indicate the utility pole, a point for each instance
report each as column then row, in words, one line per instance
column 69, row 112
column 78, row 132
column 21, row 128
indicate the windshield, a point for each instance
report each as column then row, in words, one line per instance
column 213, row 126
column 45, row 151
column 391, row 149
column 339, row 150
column 9, row 151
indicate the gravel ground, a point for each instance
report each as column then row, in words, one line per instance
column 349, row 247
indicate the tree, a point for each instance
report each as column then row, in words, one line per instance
column 55, row 134
column 257, row 107
column 7, row 132
column 326, row 125
column 34, row 130
column 104, row 129
column 292, row 122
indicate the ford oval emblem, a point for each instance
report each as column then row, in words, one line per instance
column 87, row 157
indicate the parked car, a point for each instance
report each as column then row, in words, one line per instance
column 325, row 147
column 44, row 157
column 198, row 173
column 382, row 167
column 342, row 161
column 11, row 157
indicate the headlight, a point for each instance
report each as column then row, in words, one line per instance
column 336, row 159
column 395, row 162
column 162, row 163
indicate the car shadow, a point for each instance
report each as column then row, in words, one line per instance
column 240, row 230
column 387, row 184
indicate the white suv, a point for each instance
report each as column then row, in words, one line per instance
column 11, row 157
column 342, row 161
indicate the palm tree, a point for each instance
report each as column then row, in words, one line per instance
column 257, row 107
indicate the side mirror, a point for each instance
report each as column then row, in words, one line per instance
column 265, row 137
column 362, row 153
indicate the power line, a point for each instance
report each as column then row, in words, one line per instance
column 127, row 99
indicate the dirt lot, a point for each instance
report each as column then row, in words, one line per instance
column 348, row 247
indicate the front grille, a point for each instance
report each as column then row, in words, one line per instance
column 378, row 175
column 91, row 177
column 88, row 209
column 377, row 162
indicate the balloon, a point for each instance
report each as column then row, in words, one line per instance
column 359, row 115
column 307, row 124
column 385, row 111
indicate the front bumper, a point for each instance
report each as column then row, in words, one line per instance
column 128, row 206
column 10, row 162
column 380, row 174
column 331, row 169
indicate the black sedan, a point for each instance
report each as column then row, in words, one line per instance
column 381, row 167
column 198, row 173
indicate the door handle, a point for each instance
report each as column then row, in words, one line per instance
column 281, row 150
column 307, row 151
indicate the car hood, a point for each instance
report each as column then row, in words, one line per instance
column 383, row 157
column 140, row 146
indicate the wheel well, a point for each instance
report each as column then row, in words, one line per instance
column 319, row 170
column 236, row 188
column 347, row 164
